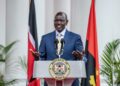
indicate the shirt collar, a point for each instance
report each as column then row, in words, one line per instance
column 62, row 33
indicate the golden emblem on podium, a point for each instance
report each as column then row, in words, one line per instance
column 59, row 69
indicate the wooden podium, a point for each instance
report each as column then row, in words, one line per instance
column 77, row 70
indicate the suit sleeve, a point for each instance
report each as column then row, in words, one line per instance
column 78, row 44
column 42, row 49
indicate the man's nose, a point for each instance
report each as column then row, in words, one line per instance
column 58, row 22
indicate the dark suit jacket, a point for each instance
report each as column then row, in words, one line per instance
column 72, row 42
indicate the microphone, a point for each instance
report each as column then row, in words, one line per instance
column 56, row 43
column 62, row 43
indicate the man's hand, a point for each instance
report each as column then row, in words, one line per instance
column 35, row 53
column 78, row 54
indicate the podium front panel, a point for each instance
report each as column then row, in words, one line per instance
column 41, row 69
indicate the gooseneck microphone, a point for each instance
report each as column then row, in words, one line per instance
column 62, row 43
column 56, row 43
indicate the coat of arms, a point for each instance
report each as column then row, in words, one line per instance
column 59, row 69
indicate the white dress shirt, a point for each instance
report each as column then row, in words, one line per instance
column 61, row 34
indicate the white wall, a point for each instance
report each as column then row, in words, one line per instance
column 79, row 17
column 16, row 29
column 49, row 15
column 2, row 21
column 65, row 6
column 2, row 30
column 40, row 17
column 108, row 19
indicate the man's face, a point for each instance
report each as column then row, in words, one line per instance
column 60, row 22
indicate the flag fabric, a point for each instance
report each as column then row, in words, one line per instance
column 92, row 64
column 32, row 45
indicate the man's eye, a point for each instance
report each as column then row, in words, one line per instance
column 59, row 20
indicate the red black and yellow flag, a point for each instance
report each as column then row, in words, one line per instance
column 92, row 64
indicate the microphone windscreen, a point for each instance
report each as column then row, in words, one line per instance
column 62, row 41
column 56, row 41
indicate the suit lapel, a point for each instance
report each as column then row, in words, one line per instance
column 53, row 39
column 66, row 38
column 53, row 35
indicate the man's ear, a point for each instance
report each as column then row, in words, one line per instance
column 66, row 22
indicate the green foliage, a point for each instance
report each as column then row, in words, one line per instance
column 23, row 63
column 117, row 69
column 111, row 63
column 4, row 51
column 2, row 83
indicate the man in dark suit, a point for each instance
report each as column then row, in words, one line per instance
column 72, row 49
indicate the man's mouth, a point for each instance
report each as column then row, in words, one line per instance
column 58, row 26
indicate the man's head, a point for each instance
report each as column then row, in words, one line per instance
column 60, row 21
